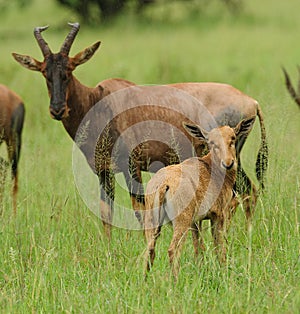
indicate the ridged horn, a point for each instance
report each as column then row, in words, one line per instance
column 42, row 43
column 65, row 48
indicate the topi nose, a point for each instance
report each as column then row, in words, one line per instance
column 57, row 113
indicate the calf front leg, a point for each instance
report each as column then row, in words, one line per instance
column 218, row 232
column 197, row 238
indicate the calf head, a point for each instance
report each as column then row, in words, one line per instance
column 221, row 141
column 57, row 68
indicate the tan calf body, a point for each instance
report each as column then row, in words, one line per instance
column 194, row 190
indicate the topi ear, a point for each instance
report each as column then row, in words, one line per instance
column 195, row 131
column 28, row 62
column 244, row 126
column 85, row 55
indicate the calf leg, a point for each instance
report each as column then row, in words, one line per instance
column 197, row 238
column 174, row 251
column 151, row 237
column 231, row 209
column 152, row 227
column 218, row 232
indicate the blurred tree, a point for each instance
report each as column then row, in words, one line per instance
column 81, row 7
column 142, row 3
column 104, row 10
column 233, row 5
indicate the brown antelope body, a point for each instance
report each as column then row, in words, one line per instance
column 12, row 114
column 70, row 101
column 194, row 190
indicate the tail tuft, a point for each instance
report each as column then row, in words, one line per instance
column 261, row 165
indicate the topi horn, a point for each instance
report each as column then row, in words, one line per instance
column 70, row 38
column 42, row 43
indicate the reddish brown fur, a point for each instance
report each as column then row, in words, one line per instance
column 181, row 194
column 227, row 105
column 11, row 124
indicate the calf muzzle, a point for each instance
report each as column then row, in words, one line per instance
column 228, row 165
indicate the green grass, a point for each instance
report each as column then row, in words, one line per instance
column 54, row 257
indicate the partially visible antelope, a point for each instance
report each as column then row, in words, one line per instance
column 194, row 190
column 70, row 101
column 12, row 115
column 295, row 94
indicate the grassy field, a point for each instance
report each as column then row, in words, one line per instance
column 54, row 257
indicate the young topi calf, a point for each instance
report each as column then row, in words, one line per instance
column 196, row 189
column 12, row 114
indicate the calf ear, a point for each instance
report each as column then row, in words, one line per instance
column 195, row 131
column 28, row 62
column 244, row 127
column 85, row 55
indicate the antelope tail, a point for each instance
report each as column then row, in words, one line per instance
column 263, row 153
column 154, row 207
column 295, row 95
